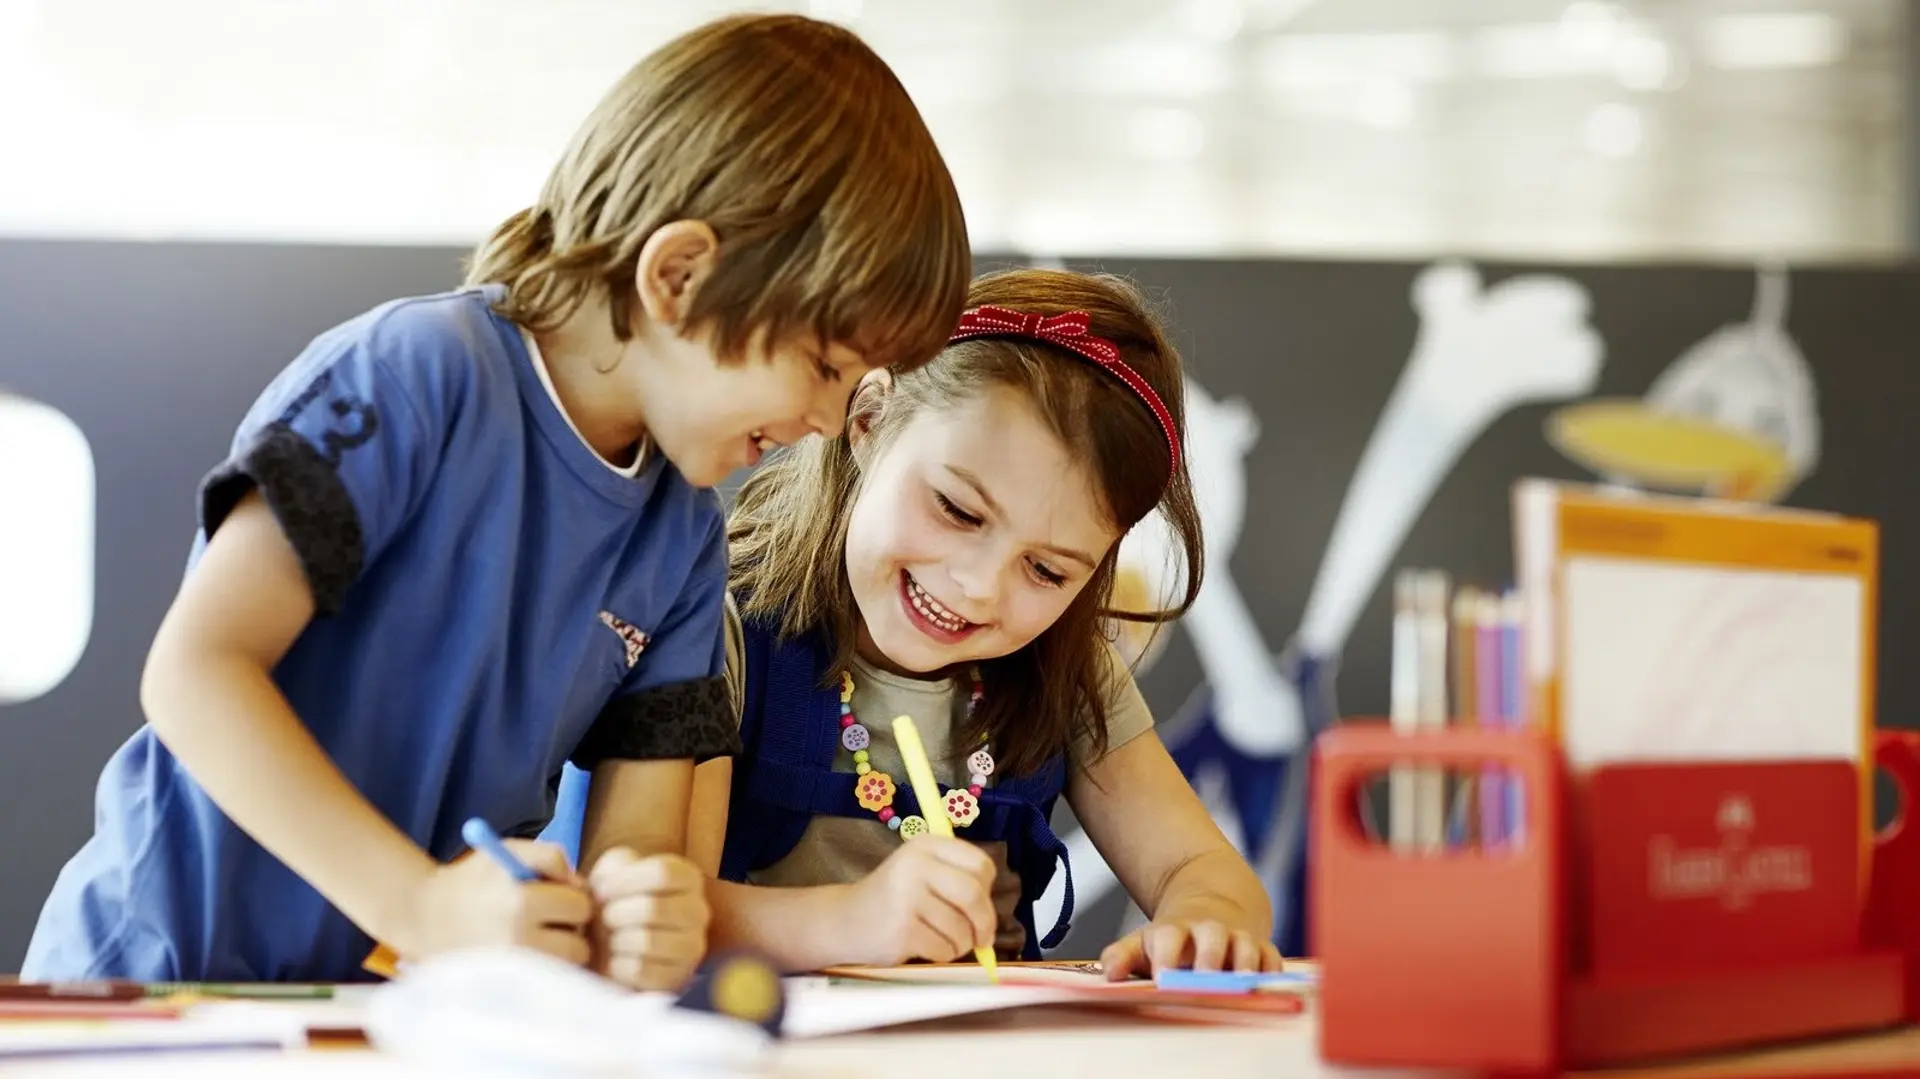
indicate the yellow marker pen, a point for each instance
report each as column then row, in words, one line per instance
column 926, row 790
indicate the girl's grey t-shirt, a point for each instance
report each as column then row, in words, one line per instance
column 836, row 850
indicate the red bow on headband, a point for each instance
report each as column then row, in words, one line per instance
column 1071, row 332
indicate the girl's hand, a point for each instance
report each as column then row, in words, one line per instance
column 931, row 899
column 652, row 929
column 1197, row 944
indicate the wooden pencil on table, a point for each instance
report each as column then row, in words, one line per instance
column 1404, row 708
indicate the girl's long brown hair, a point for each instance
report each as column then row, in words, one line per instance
column 788, row 530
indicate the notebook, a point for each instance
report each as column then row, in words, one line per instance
column 1663, row 628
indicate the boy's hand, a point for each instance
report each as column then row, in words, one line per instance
column 931, row 899
column 472, row 902
column 1202, row 944
column 652, row 929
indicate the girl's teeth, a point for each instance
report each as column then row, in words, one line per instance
column 926, row 605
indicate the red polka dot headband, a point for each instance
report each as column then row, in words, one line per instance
column 1070, row 331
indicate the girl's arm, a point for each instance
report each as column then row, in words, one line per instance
column 208, row 692
column 1207, row 907
column 798, row 929
column 930, row 900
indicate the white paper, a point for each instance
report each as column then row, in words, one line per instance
column 493, row 1010
column 817, row 1011
column 1671, row 661
column 84, row 1037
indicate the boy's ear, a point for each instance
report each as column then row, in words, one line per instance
column 673, row 263
column 863, row 411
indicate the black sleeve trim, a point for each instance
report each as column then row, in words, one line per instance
column 307, row 497
column 686, row 719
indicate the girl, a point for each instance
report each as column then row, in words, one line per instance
column 465, row 538
column 951, row 557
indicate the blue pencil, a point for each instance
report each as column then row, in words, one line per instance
column 1511, row 709
column 481, row 837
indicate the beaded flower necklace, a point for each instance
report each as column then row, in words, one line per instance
column 874, row 790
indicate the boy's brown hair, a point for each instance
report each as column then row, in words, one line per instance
column 787, row 534
column 837, row 220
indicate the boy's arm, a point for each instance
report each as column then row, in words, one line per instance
column 707, row 830
column 208, row 693
column 671, row 714
column 713, row 780
column 637, row 804
column 322, row 477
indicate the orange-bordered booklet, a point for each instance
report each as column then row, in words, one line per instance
column 1664, row 628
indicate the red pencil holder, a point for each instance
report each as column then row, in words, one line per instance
column 1648, row 910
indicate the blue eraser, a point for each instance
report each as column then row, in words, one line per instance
column 1228, row 981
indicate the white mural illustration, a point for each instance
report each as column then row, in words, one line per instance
column 1735, row 416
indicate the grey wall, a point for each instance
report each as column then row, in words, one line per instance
column 156, row 350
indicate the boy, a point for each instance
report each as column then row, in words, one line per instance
column 466, row 538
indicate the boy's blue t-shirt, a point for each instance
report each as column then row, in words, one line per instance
column 492, row 601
